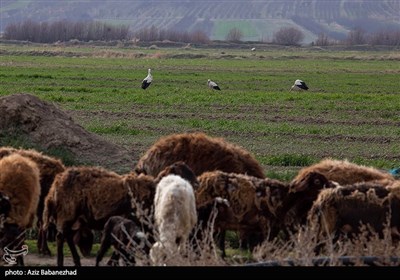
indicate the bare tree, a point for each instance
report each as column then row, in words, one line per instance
column 64, row 31
column 10, row 31
column 153, row 34
column 234, row 35
column 288, row 36
column 385, row 37
column 322, row 40
column 199, row 36
column 356, row 37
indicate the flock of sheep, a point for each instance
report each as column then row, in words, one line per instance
column 177, row 185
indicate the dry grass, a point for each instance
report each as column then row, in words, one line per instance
column 300, row 249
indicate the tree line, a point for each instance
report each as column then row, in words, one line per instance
column 44, row 32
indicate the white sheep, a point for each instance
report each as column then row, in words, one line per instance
column 175, row 216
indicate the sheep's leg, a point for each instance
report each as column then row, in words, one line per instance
column 114, row 259
column 42, row 241
column 60, row 252
column 105, row 245
column 221, row 243
column 74, row 252
column 20, row 260
column 40, row 238
column 128, row 256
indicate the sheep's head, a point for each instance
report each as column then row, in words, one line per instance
column 313, row 181
column 224, row 214
column 302, row 193
column 139, row 170
column 181, row 169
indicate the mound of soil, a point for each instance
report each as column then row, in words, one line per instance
column 49, row 127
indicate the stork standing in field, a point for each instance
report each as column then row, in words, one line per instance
column 212, row 85
column 147, row 81
column 299, row 85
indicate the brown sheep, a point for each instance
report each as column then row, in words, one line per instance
column 341, row 211
column 261, row 207
column 223, row 215
column 19, row 181
column 343, row 172
column 83, row 197
column 213, row 214
column 255, row 202
column 301, row 198
column 49, row 167
column 199, row 151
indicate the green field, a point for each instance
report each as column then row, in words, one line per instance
column 351, row 111
column 222, row 28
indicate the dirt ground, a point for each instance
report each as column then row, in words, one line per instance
column 36, row 260
column 49, row 127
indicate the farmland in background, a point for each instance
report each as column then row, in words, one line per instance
column 258, row 20
column 352, row 110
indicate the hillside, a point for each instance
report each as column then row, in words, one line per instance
column 258, row 20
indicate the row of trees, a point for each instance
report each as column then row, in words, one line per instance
column 358, row 36
column 154, row 34
column 43, row 32
column 291, row 36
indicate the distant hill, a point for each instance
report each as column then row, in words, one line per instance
column 258, row 20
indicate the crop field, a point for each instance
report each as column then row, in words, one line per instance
column 351, row 111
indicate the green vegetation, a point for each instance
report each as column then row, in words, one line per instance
column 351, row 110
column 19, row 4
column 32, row 247
column 221, row 29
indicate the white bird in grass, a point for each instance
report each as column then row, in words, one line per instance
column 299, row 85
column 212, row 85
column 147, row 81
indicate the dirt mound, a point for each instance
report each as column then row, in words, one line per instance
column 49, row 127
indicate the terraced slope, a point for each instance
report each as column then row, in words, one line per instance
column 334, row 17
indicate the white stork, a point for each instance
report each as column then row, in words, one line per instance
column 212, row 85
column 147, row 81
column 299, row 85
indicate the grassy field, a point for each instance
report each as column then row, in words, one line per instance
column 222, row 28
column 351, row 111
